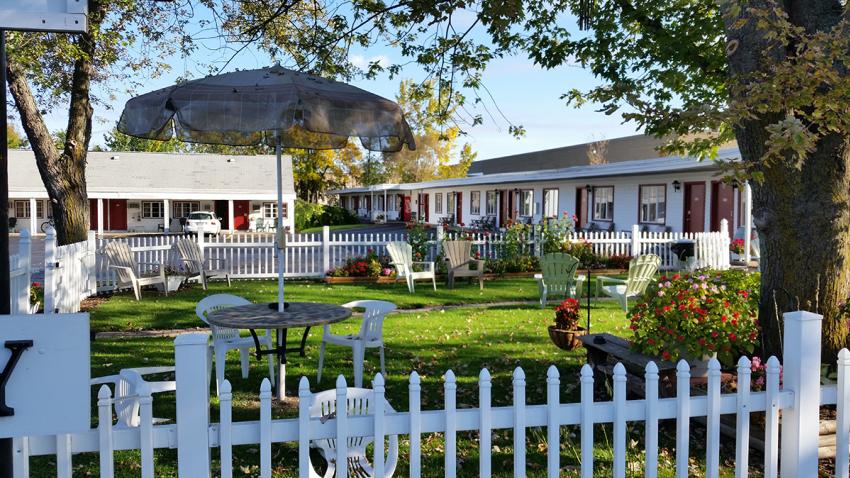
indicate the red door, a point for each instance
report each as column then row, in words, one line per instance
column 459, row 209
column 722, row 205
column 92, row 214
column 581, row 207
column 405, row 211
column 369, row 204
column 694, row 207
column 117, row 214
column 241, row 209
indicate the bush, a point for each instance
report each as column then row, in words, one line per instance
column 513, row 264
column 372, row 265
column 695, row 316
column 309, row 215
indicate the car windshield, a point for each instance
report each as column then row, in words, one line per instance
column 199, row 216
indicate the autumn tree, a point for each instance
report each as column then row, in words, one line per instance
column 315, row 172
column 14, row 140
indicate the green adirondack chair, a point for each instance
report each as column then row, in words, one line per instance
column 558, row 277
column 642, row 271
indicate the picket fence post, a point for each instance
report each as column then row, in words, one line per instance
column 193, row 410
column 326, row 249
column 20, row 295
column 635, row 240
column 201, row 245
column 801, row 374
column 50, row 276
column 90, row 265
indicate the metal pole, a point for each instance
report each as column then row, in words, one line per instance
column 6, row 454
column 281, row 235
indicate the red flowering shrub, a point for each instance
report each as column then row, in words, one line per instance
column 567, row 315
column 737, row 246
column 694, row 316
column 372, row 265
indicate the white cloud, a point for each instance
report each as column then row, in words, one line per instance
column 363, row 63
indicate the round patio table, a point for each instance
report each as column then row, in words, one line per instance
column 262, row 316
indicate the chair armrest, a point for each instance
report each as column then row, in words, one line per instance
column 152, row 370
column 130, row 269
column 603, row 279
column 429, row 264
column 538, row 277
column 159, row 387
column 104, row 380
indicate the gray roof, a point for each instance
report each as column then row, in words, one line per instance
column 172, row 173
column 669, row 164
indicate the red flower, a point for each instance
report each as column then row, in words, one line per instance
column 714, row 334
column 732, row 337
column 734, row 323
column 650, row 341
column 702, row 342
column 676, row 277
column 665, row 355
column 744, row 293
column 723, row 318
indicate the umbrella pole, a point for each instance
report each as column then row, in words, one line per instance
column 281, row 235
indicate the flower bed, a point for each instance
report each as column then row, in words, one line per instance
column 371, row 265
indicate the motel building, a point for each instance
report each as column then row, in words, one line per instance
column 632, row 186
column 151, row 192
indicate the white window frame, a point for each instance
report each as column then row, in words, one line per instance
column 153, row 209
column 652, row 204
column 491, row 211
column 550, row 203
column 179, row 208
column 269, row 210
column 526, row 202
column 603, row 203
column 475, row 203
column 438, row 203
column 22, row 209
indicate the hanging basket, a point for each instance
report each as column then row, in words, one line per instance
column 566, row 339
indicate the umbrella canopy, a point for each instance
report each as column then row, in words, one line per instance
column 252, row 107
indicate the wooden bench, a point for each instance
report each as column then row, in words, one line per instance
column 606, row 350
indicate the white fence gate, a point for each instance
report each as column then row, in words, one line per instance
column 20, row 272
column 799, row 397
column 69, row 273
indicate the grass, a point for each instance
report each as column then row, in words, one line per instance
column 463, row 339
column 337, row 227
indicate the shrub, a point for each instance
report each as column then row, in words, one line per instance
column 553, row 232
column 514, row 264
column 371, row 265
column 309, row 215
column 581, row 250
column 417, row 237
column 694, row 316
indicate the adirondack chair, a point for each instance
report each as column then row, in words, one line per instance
column 558, row 277
column 193, row 261
column 359, row 402
column 126, row 386
column 120, row 258
column 458, row 261
column 401, row 254
column 642, row 271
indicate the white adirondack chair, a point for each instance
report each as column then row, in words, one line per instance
column 642, row 271
column 458, row 260
column 359, row 402
column 224, row 338
column 401, row 254
column 126, row 387
column 371, row 335
column 193, row 261
column 558, row 277
column 120, row 258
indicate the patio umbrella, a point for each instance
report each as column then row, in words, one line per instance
column 273, row 106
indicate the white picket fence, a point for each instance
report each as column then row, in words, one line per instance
column 70, row 274
column 799, row 397
column 20, row 272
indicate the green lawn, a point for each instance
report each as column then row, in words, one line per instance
column 462, row 339
column 337, row 227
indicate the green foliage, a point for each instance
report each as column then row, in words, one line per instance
column 554, row 231
column 417, row 237
column 567, row 314
column 14, row 140
column 309, row 215
column 118, row 141
column 692, row 316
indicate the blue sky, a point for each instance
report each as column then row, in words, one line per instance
column 527, row 95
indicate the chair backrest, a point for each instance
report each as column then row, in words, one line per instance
column 642, row 271
column 371, row 328
column 400, row 252
column 190, row 255
column 260, row 223
column 118, row 253
column 457, row 252
column 359, row 402
column 217, row 302
column 559, row 271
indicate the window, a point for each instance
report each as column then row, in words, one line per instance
column 603, row 203
column 381, row 203
column 491, row 203
column 270, row 210
column 438, row 203
column 653, row 204
column 452, row 204
column 184, row 208
column 22, row 209
column 39, row 209
column 152, row 209
column 526, row 202
column 475, row 203
column 550, row 202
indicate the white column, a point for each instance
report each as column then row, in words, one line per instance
column 33, row 216
column 166, row 215
column 100, row 216
column 386, row 207
column 707, row 215
column 748, row 221
column 231, row 218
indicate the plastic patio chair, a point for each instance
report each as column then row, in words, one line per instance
column 371, row 335
column 642, row 271
column 359, row 402
column 126, row 387
column 224, row 338
column 401, row 254
column 558, row 277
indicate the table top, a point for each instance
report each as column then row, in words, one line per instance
column 260, row 316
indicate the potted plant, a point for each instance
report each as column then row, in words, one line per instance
column 736, row 249
column 174, row 278
column 566, row 331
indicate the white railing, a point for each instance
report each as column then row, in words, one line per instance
column 20, row 275
column 70, row 273
column 799, row 398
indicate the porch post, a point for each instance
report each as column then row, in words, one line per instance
column 33, row 216
column 230, row 216
column 100, row 216
column 707, row 215
column 748, row 221
column 166, row 215
column 386, row 207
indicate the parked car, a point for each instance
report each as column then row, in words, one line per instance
column 202, row 221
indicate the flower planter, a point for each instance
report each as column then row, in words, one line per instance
column 566, row 339
column 360, row 280
column 172, row 283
